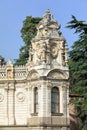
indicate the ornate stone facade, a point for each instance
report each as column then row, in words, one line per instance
column 26, row 91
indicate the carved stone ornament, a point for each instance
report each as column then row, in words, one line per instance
column 9, row 63
column 41, row 52
column 38, row 86
column 9, row 74
column 20, row 97
column 56, row 75
column 1, row 97
column 64, row 86
column 54, row 51
column 34, row 75
column 49, row 85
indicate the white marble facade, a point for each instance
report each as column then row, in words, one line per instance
column 26, row 91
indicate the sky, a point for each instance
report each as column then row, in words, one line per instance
column 14, row 12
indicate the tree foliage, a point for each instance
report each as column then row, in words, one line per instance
column 2, row 61
column 28, row 32
column 78, row 68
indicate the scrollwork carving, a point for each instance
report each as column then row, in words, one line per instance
column 20, row 96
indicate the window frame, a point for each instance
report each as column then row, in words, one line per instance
column 36, row 100
column 55, row 104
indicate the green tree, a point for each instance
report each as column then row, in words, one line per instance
column 28, row 32
column 78, row 68
column 2, row 61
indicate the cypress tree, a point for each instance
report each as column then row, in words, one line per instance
column 78, row 68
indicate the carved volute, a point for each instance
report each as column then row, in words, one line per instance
column 48, row 46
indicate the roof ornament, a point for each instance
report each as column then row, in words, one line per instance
column 47, row 16
column 9, row 62
column 48, row 11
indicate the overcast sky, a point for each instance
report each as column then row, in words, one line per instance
column 14, row 12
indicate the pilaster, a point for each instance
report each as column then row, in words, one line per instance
column 11, row 104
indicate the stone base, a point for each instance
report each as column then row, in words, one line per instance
column 32, row 128
column 13, row 128
column 41, row 123
column 48, row 128
column 53, row 121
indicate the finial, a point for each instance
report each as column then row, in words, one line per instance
column 47, row 15
column 9, row 62
column 48, row 11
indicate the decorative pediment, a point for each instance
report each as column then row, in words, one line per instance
column 56, row 74
column 33, row 75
